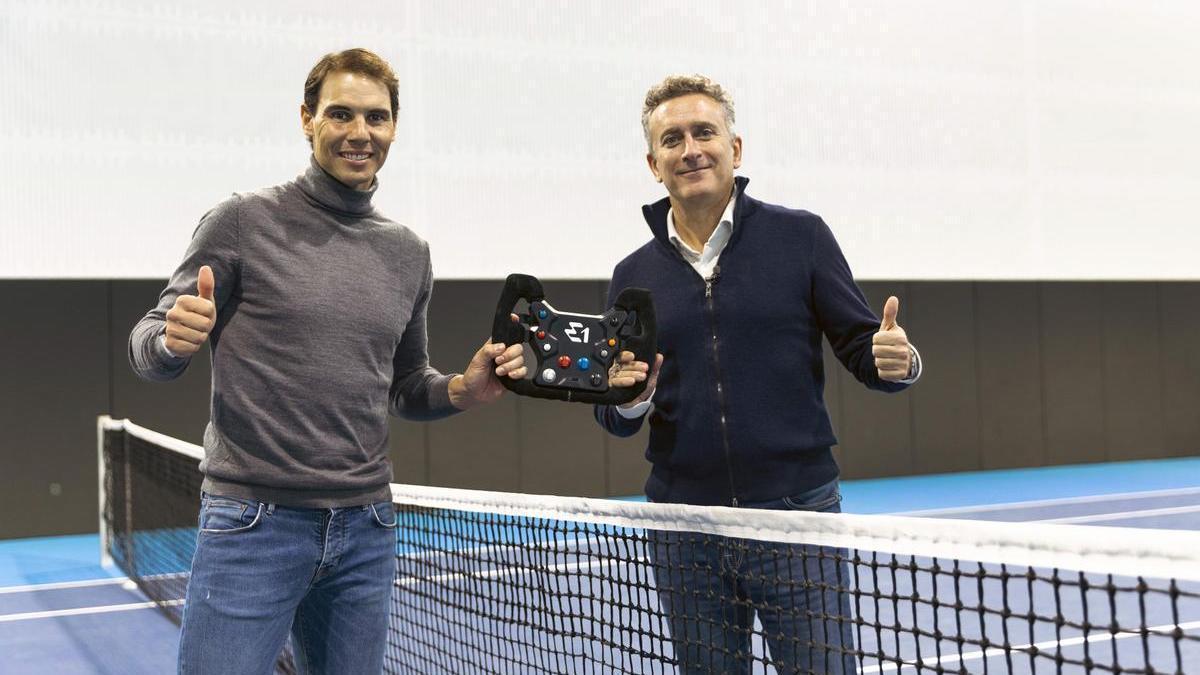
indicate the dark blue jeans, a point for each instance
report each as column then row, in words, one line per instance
column 711, row 589
column 261, row 569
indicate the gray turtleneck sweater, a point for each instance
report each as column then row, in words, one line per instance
column 320, row 332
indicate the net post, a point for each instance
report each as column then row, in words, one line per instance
column 128, row 498
column 102, row 423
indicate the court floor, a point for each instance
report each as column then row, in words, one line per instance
column 61, row 612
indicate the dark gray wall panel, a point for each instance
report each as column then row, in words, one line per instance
column 627, row 466
column 1010, row 380
column 1133, row 395
column 408, row 445
column 1063, row 373
column 1072, row 331
column 1180, row 311
column 876, row 428
column 55, row 381
column 945, row 401
column 479, row 448
column 562, row 449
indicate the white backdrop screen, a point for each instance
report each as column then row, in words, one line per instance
column 940, row 139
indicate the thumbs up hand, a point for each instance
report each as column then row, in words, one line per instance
column 191, row 319
column 890, row 345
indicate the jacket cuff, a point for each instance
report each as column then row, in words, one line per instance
column 914, row 369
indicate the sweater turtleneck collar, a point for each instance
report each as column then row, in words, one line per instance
column 330, row 193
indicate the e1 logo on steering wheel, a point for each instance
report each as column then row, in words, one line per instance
column 574, row 351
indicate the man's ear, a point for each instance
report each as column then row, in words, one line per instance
column 653, row 166
column 306, row 122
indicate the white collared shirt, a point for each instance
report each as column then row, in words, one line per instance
column 704, row 262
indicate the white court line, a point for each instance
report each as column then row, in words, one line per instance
column 1089, row 499
column 87, row 582
column 63, row 584
column 1125, row 515
column 79, row 611
column 1047, row 645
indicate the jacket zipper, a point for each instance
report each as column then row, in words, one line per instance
column 709, row 282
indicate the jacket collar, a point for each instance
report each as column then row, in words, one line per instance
column 656, row 213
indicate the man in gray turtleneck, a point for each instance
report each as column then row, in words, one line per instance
column 315, row 305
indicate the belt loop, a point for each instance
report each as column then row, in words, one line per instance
column 270, row 509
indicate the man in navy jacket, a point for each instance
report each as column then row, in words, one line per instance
column 744, row 291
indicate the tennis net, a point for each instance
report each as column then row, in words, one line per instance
column 513, row 583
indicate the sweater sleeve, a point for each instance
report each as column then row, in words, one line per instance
column 615, row 424
column 214, row 243
column 842, row 311
column 607, row 415
column 418, row 391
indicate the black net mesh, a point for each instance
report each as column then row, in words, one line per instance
column 151, row 508
column 490, row 588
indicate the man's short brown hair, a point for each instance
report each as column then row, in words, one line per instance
column 359, row 61
column 675, row 86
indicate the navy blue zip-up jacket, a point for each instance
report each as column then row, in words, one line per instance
column 739, row 411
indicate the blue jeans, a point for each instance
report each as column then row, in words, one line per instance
column 711, row 588
column 261, row 570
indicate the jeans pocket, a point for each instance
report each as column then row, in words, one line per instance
column 228, row 515
column 826, row 498
column 384, row 514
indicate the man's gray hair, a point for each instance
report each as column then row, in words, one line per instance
column 675, row 86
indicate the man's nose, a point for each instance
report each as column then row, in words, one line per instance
column 691, row 148
column 358, row 130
